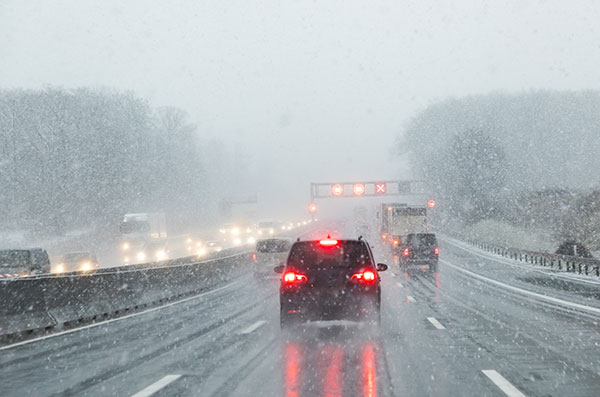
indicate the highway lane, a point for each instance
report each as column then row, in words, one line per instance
column 451, row 335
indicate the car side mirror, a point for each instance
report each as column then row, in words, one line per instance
column 382, row 267
column 278, row 269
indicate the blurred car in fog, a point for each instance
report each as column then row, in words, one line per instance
column 419, row 252
column 76, row 262
column 363, row 229
column 269, row 253
column 23, row 262
column 330, row 279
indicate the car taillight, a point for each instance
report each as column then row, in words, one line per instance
column 366, row 277
column 396, row 242
column 254, row 256
column 406, row 252
column 436, row 251
column 294, row 278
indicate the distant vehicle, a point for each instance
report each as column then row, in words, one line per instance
column 398, row 219
column 143, row 238
column 269, row 253
column 76, row 262
column 329, row 279
column 267, row 227
column 238, row 233
column 213, row 246
column 420, row 251
column 364, row 230
column 23, row 262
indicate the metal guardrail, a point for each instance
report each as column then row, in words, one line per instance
column 572, row 264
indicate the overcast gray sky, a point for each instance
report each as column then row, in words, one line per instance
column 318, row 88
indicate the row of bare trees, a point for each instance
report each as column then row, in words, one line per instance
column 80, row 158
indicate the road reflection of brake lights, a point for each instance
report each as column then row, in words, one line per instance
column 368, row 370
column 334, row 374
column 293, row 363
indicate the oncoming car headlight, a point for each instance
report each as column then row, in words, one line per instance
column 59, row 268
column 86, row 266
column 160, row 255
column 141, row 256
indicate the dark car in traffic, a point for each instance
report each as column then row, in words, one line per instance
column 419, row 252
column 23, row 262
column 329, row 279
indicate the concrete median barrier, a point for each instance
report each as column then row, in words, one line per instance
column 41, row 303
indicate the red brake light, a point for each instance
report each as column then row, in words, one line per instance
column 366, row 277
column 436, row 251
column 328, row 242
column 406, row 252
column 254, row 256
column 396, row 242
column 294, row 278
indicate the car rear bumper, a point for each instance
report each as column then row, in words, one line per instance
column 329, row 307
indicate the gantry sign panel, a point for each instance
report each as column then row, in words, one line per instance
column 365, row 189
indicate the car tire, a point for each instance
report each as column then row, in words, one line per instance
column 286, row 321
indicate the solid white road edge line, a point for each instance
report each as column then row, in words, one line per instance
column 156, row 386
column 435, row 323
column 253, row 327
column 547, row 298
column 514, row 263
column 25, row 342
column 502, row 383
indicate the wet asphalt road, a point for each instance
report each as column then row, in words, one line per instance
column 483, row 326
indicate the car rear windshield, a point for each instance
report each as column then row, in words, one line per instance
column 15, row 258
column 272, row 246
column 311, row 254
column 422, row 240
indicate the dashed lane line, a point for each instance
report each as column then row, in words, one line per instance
column 253, row 327
column 156, row 386
column 435, row 323
column 502, row 383
column 410, row 298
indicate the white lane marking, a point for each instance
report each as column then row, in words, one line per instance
column 573, row 305
column 253, row 327
column 410, row 298
column 490, row 256
column 435, row 323
column 502, row 383
column 399, row 284
column 118, row 318
column 156, row 386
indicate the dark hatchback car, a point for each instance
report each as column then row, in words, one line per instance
column 420, row 251
column 330, row 280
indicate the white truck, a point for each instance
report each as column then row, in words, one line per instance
column 398, row 220
column 143, row 238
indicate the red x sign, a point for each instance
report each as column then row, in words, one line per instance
column 380, row 188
